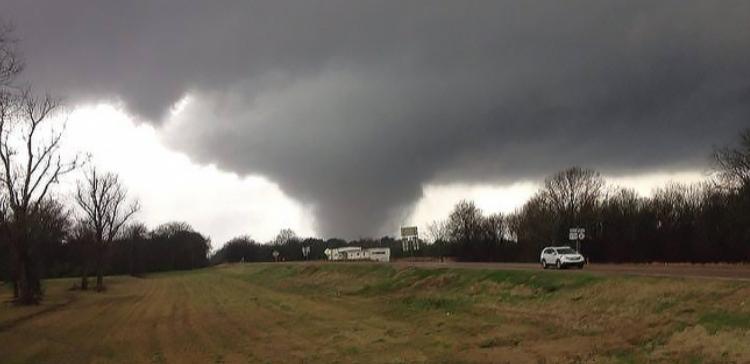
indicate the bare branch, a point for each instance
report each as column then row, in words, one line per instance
column 102, row 199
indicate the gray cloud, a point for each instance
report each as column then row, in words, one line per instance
column 352, row 106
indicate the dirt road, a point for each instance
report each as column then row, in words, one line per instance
column 740, row 272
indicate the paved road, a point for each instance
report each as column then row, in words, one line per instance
column 738, row 272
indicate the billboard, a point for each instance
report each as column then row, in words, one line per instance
column 409, row 232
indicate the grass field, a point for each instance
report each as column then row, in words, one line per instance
column 328, row 313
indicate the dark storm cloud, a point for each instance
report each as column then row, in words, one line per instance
column 354, row 105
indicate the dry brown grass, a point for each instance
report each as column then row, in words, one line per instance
column 292, row 313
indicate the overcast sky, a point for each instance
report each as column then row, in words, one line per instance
column 350, row 118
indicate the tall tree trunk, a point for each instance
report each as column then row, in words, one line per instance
column 26, row 287
column 100, row 267
column 14, row 274
column 100, row 279
column 85, row 265
column 132, row 268
column 85, row 277
column 130, row 258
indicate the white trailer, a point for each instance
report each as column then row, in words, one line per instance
column 380, row 254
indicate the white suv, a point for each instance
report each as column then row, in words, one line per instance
column 561, row 257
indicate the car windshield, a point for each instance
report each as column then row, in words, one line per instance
column 566, row 251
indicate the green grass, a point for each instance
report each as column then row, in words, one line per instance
column 414, row 303
column 543, row 283
column 547, row 282
column 625, row 357
column 720, row 320
column 664, row 303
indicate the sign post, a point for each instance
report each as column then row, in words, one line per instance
column 410, row 239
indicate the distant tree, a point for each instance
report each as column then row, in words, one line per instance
column 288, row 245
column 574, row 195
column 465, row 222
column 620, row 216
column 134, row 236
column 494, row 227
column 573, row 190
column 178, row 246
column 473, row 236
column 172, row 228
column 735, row 166
column 437, row 231
column 82, row 242
column 103, row 199
column 533, row 226
column 438, row 235
column 284, row 237
column 241, row 249
column 733, row 163
column 49, row 230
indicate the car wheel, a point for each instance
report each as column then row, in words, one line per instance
column 558, row 265
column 544, row 264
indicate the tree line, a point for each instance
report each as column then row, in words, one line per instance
column 702, row 222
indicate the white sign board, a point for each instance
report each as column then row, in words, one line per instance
column 577, row 234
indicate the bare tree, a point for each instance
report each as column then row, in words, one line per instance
column 136, row 230
column 31, row 164
column 573, row 193
column 465, row 223
column 573, row 189
column 172, row 228
column 437, row 231
column 495, row 227
column 285, row 236
column 103, row 201
column 733, row 164
column 535, row 221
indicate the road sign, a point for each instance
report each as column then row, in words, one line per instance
column 577, row 234
column 409, row 238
